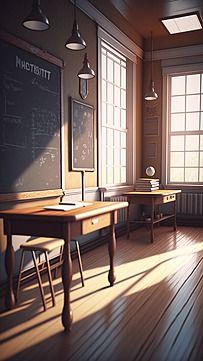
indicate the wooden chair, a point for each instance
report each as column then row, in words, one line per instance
column 45, row 246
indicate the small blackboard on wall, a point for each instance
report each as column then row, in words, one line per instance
column 82, row 136
column 30, row 118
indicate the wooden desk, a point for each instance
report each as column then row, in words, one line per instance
column 37, row 221
column 152, row 199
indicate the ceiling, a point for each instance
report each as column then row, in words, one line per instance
column 137, row 18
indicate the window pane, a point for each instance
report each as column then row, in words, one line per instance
column 123, row 98
column 177, row 142
column 177, row 159
column 117, row 117
column 109, row 158
column 103, row 90
column 104, row 113
column 110, row 70
column 202, row 102
column 192, row 142
column 201, row 124
column 192, row 121
column 109, row 137
column 123, row 118
column 117, row 175
column 177, row 175
column 201, row 159
column 123, row 175
column 123, row 140
column 201, row 175
column 201, row 142
column 193, row 84
column 178, row 85
column 177, row 122
column 191, row 175
column 191, row 159
column 123, row 77
column 123, row 157
column 110, row 93
column 117, row 75
column 178, row 104
column 117, row 96
column 110, row 114
column 109, row 175
column 192, row 103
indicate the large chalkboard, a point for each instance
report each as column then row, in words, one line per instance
column 30, row 112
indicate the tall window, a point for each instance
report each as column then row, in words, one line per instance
column 185, row 128
column 114, row 116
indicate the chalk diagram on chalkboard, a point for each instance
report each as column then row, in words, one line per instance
column 82, row 136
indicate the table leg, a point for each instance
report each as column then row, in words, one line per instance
column 174, row 211
column 112, row 249
column 128, row 222
column 152, row 223
column 67, row 315
column 9, row 265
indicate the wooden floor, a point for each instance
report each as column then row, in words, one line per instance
column 153, row 312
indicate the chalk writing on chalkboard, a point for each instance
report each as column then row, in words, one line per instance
column 30, row 139
column 82, row 136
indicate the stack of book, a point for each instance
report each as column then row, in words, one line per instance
column 146, row 184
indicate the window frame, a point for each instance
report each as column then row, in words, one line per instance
column 168, row 72
column 130, row 106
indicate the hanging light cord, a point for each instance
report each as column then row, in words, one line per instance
column 151, row 57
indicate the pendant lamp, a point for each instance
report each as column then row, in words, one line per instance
column 151, row 94
column 37, row 20
column 75, row 42
column 86, row 72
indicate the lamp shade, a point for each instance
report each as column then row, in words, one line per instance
column 75, row 42
column 151, row 94
column 86, row 72
column 37, row 20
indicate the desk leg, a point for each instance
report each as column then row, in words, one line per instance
column 112, row 249
column 9, row 265
column 67, row 315
column 174, row 211
column 152, row 223
column 128, row 222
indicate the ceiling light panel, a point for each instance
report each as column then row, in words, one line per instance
column 181, row 24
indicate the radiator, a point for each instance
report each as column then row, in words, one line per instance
column 122, row 213
column 190, row 204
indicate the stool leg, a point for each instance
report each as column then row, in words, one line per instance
column 79, row 262
column 19, row 275
column 39, row 280
column 50, row 278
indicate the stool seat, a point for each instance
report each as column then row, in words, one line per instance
column 42, row 244
column 45, row 245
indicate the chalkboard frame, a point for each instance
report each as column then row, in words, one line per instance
column 86, row 112
column 6, row 197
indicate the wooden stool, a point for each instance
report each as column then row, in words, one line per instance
column 45, row 245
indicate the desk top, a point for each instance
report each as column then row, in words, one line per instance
column 156, row 193
column 73, row 215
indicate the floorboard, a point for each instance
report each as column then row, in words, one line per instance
column 154, row 311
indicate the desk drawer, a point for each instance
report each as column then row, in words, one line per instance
column 95, row 223
column 170, row 198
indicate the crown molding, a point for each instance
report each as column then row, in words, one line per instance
column 181, row 52
column 109, row 27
